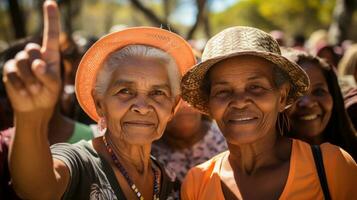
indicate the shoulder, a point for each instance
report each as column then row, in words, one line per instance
column 202, row 179
column 331, row 154
column 341, row 172
column 337, row 157
column 81, row 151
column 206, row 169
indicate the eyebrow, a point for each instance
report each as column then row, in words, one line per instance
column 320, row 84
column 225, row 82
column 130, row 83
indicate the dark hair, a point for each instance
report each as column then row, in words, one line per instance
column 339, row 130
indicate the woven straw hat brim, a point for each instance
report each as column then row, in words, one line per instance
column 192, row 82
column 94, row 58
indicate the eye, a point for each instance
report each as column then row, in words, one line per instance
column 125, row 91
column 221, row 93
column 256, row 88
column 158, row 93
column 320, row 92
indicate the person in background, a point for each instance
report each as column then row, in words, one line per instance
column 348, row 64
column 329, row 53
column 320, row 115
column 61, row 128
column 350, row 99
column 299, row 42
column 246, row 87
column 279, row 36
column 190, row 138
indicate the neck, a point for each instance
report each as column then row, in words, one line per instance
column 317, row 140
column 265, row 152
column 131, row 156
column 186, row 142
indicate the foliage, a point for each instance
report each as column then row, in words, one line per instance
column 302, row 16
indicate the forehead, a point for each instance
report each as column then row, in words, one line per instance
column 240, row 68
column 141, row 70
column 314, row 71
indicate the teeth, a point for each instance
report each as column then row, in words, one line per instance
column 308, row 117
column 244, row 119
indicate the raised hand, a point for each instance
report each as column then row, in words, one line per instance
column 32, row 78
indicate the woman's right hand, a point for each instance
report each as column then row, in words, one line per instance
column 32, row 79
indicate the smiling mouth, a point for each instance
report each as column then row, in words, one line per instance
column 243, row 119
column 139, row 124
column 308, row 117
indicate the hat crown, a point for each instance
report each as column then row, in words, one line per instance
column 239, row 39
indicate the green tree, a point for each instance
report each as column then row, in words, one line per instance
column 303, row 16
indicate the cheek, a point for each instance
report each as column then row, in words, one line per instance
column 217, row 108
column 327, row 104
column 115, row 109
column 164, row 111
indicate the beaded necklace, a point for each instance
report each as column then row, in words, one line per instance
column 126, row 175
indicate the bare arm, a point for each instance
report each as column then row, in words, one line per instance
column 35, row 175
column 32, row 80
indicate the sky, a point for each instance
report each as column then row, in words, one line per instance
column 186, row 13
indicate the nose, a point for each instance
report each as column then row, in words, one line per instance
column 306, row 101
column 239, row 100
column 141, row 106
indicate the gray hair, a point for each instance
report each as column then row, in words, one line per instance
column 133, row 51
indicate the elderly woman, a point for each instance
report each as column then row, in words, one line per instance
column 320, row 115
column 245, row 84
column 129, row 82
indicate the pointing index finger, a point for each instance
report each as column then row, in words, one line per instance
column 51, row 30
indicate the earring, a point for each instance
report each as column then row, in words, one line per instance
column 283, row 123
column 102, row 126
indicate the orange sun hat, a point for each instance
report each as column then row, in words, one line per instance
column 96, row 55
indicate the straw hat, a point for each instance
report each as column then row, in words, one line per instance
column 237, row 41
column 93, row 60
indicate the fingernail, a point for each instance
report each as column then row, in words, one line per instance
column 23, row 93
column 41, row 68
column 34, row 88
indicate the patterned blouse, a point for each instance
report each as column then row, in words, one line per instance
column 181, row 160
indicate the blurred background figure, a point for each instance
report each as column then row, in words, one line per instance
column 190, row 138
column 348, row 64
column 330, row 53
column 351, row 105
column 62, row 126
column 299, row 42
column 316, row 39
column 320, row 115
column 279, row 36
column 3, row 45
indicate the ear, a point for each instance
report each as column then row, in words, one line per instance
column 284, row 94
column 176, row 105
column 98, row 103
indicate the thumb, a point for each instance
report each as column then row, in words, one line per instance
column 46, row 75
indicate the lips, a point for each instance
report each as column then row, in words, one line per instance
column 241, row 119
column 142, row 124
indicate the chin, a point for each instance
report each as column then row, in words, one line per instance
column 141, row 139
column 240, row 138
